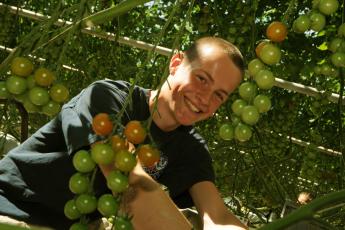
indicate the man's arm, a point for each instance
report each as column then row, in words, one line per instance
column 211, row 208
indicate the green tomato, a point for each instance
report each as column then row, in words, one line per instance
column 39, row 96
column 125, row 161
column 51, row 108
column 71, row 211
column 79, row 183
column 302, row 24
column 117, row 182
column 243, row 132
column 79, row 226
column 107, row 205
column 250, row 115
column 21, row 66
column 262, row 103
column 30, row 82
column 265, row 79
column 4, row 94
column 29, row 106
column 335, row 44
column 318, row 21
column 328, row 7
column 237, row 106
column 86, row 203
column 59, row 93
column 16, row 85
column 255, row 66
column 341, row 30
column 226, row 131
column 83, row 162
column 121, row 223
column 338, row 59
column 317, row 69
column 247, row 90
column 102, row 153
column 270, row 54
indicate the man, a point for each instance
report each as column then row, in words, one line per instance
column 34, row 176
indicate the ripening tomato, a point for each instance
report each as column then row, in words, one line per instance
column 102, row 153
column 83, row 162
column 148, row 155
column 248, row 90
column 79, row 183
column 118, row 143
column 122, row 223
column 107, row 205
column 59, row 93
column 44, row 77
column 102, row 125
column 135, row 132
column 117, row 182
column 125, row 161
column 21, row 66
column 16, row 85
column 226, row 131
column 237, row 106
column 39, row 96
column 276, row 31
column 71, row 211
column 86, row 203
column 51, row 108
column 260, row 46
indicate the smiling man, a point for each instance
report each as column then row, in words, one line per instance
column 34, row 177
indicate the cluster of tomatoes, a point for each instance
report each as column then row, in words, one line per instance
column 36, row 89
column 253, row 101
column 116, row 152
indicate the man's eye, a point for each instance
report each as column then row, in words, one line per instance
column 220, row 97
column 201, row 78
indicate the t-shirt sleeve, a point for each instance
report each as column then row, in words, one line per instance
column 77, row 115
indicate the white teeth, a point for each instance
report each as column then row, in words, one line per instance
column 192, row 107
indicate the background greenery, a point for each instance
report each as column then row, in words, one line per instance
column 258, row 175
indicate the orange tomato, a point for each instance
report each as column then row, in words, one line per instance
column 276, row 31
column 118, row 143
column 148, row 155
column 102, row 125
column 260, row 46
column 135, row 132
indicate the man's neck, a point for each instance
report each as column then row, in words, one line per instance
column 161, row 116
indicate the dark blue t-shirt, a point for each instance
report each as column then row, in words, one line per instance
column 34, row 176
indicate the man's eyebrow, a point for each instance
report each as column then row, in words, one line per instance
column 212, row 80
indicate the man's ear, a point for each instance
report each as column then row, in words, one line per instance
column 175, row 61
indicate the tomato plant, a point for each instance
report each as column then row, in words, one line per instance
column 148, row 155
column 135, row 132
column 16, row 85
column 276, row 31
column 86, row 203
column 102, row 125
column 341, row 30
column 102, row 153
column 107, row 205
column 29, row 106
column 39, row 96
column 4, row 94
column 30, row 82
column 83, row 162
column 71, row 211
column 79, row 226
column 117, row 182
column 125, row 161
column 21, row 66
column 79, row 183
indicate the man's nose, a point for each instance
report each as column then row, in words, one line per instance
column 205, row 98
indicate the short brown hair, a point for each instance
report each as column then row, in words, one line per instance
column 193, row 52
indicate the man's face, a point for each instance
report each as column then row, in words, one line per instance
column 200, row 87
